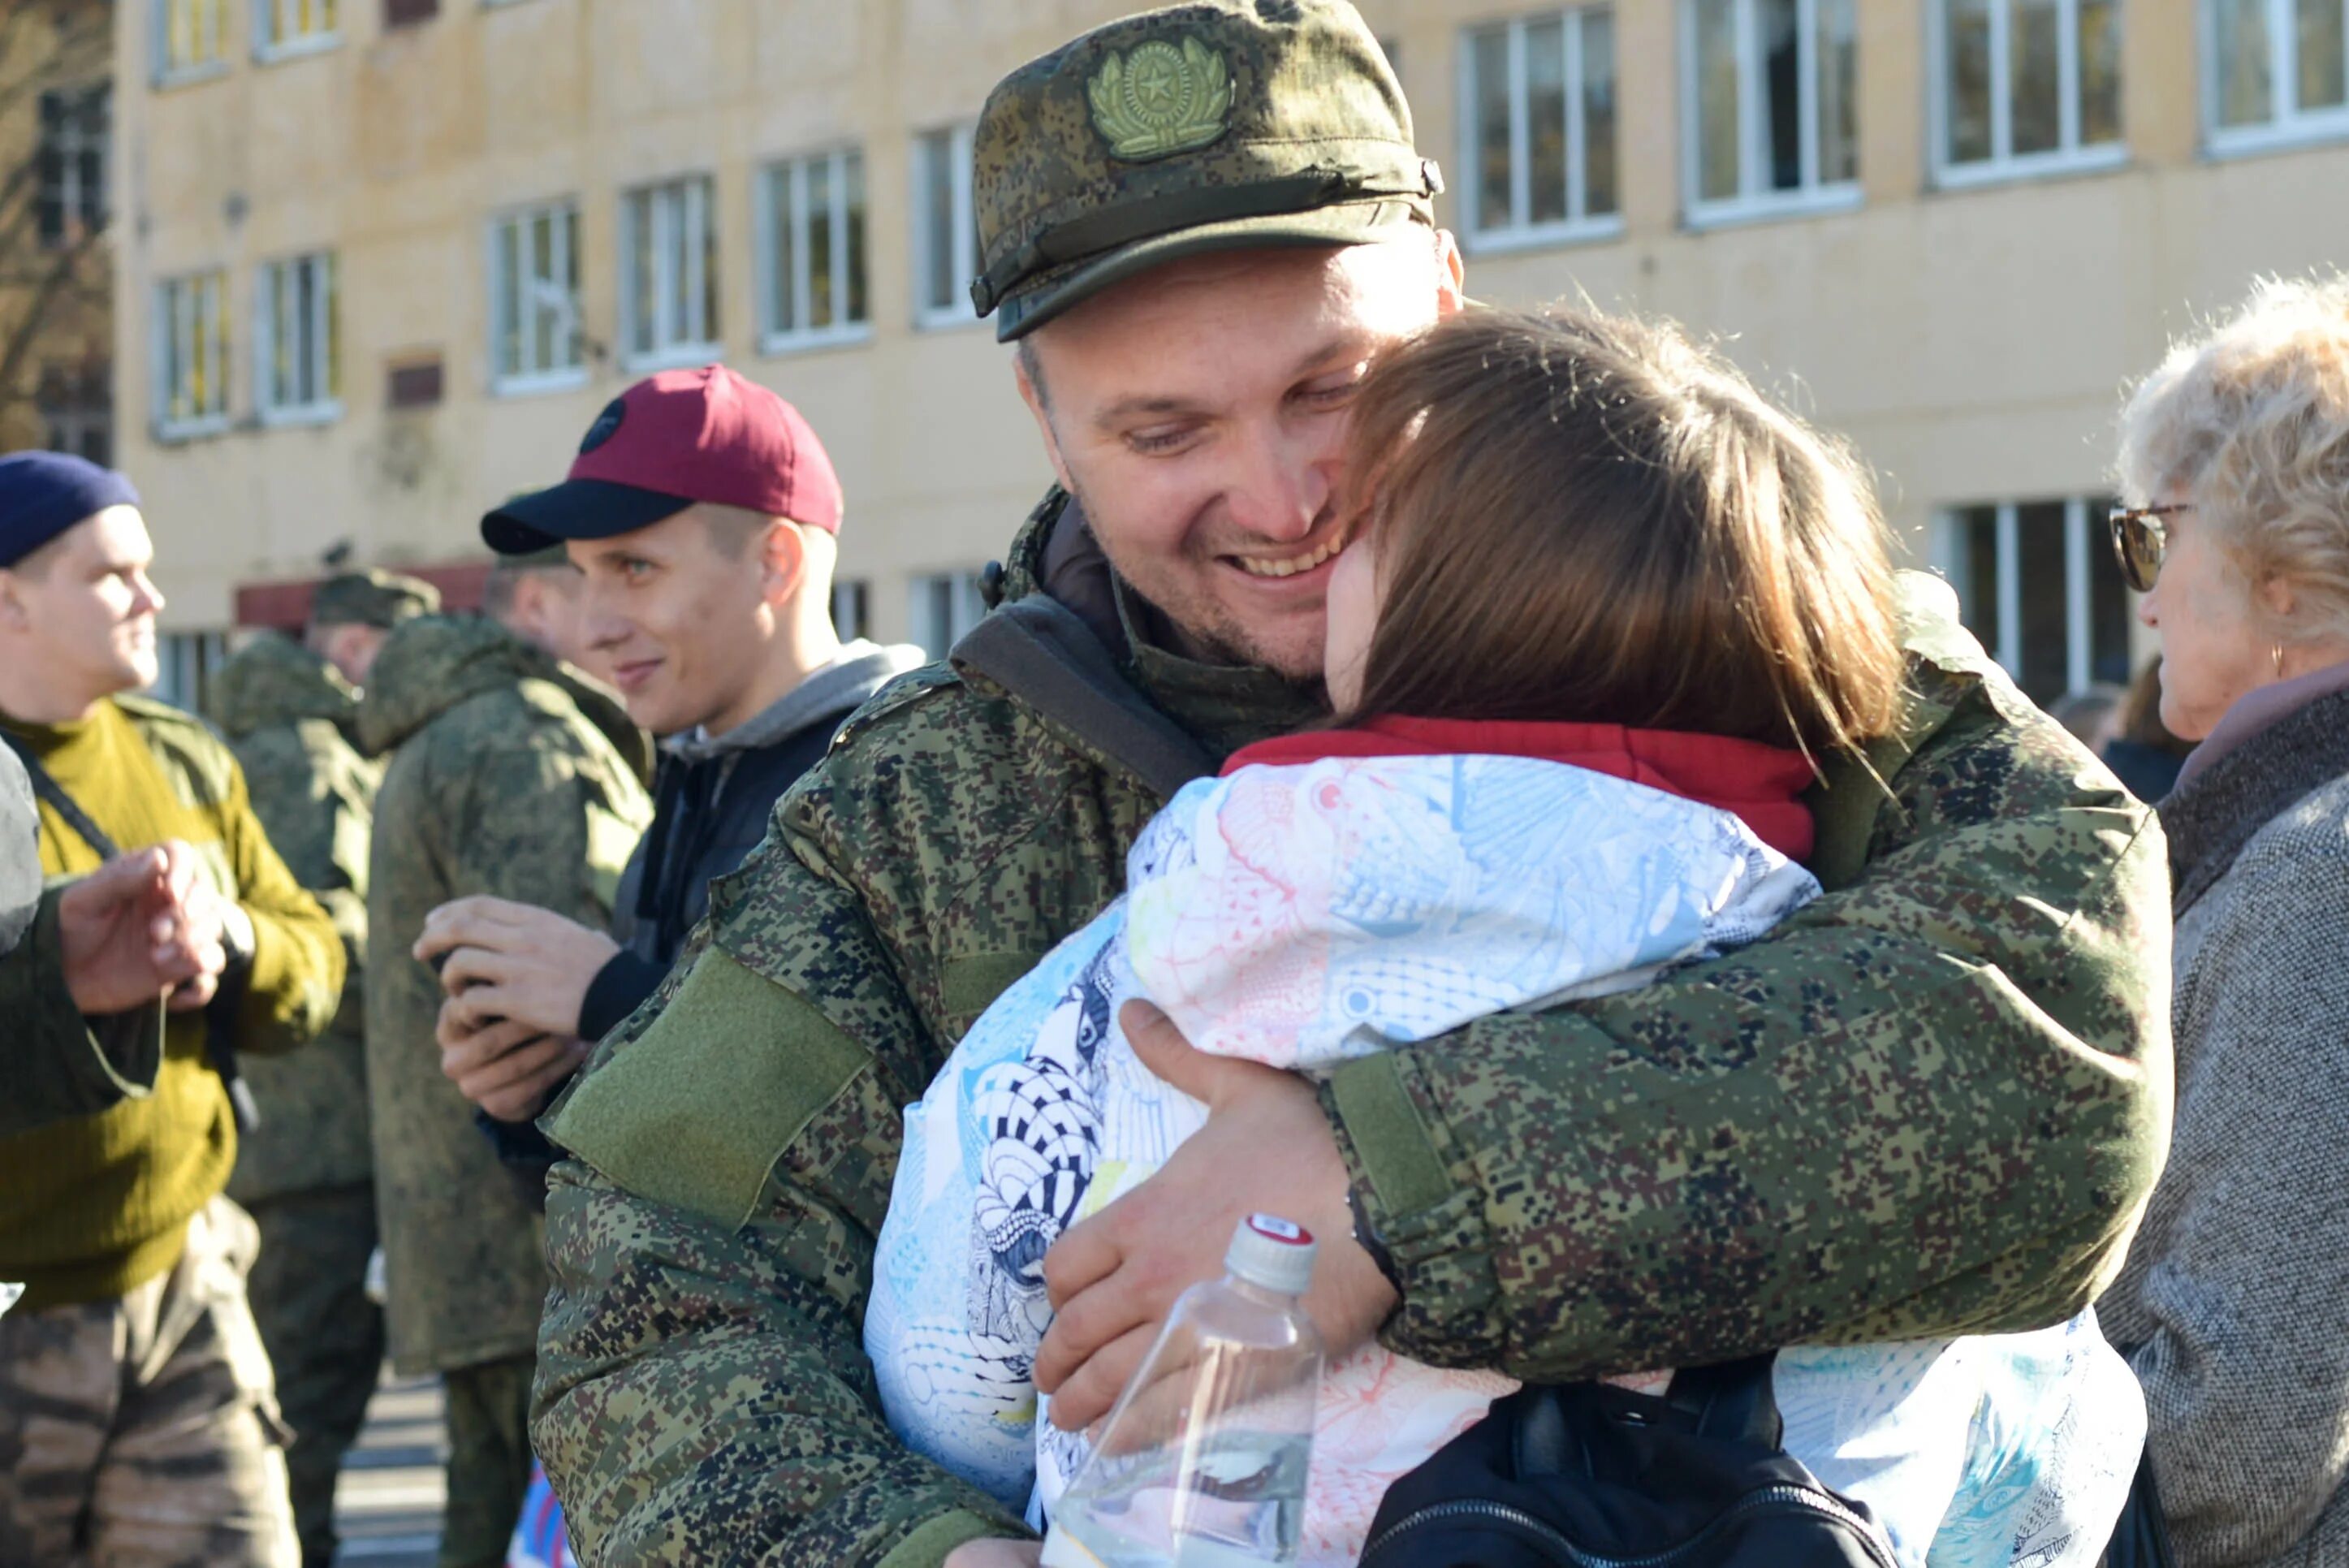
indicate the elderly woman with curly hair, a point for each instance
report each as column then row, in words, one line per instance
column 2234, row 1306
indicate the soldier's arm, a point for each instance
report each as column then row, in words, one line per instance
column 520, row 826
column 295, row 982
column 701, row 1373
column 1933, row 1102
column 59, row 1063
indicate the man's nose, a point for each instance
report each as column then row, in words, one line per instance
column 150, row 600
column 1282, row 485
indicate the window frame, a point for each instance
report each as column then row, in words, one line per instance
column 325, row 367
column 2285, row 128
column 1578, row 227
column 269, row 47
column 794, row 167
column 162, row 72
column 928, row 317
column 965, row 600
column 2005, row 165
column 163, row 340
column 545, row 378
column 78, row 217
column 2084, row 553
column 678, row 353
column 1754, row 202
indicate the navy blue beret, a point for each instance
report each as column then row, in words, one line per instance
column 43, row 494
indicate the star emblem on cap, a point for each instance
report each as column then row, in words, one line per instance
column 1160, row 98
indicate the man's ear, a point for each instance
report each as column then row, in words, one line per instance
column 783, row 561
column 14, row 614
column 1452, row 275
column 1032, row 395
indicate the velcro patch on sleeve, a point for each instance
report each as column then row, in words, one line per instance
column 695, row 1111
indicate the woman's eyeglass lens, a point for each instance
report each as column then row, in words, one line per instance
column 2139, row 539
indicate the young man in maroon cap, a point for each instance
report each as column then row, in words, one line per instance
column 704, row 515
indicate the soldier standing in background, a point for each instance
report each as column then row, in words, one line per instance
column 508, row 775
column 352, row 612
column 305, row 1174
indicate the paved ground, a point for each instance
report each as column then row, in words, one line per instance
column 388, row 1506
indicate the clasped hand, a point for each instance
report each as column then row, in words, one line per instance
column 146, row 924
column 516, row 977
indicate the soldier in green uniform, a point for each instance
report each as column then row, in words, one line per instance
column 305, row 1173
column 1933, row 1102
column 509, row 775
column 351, row 613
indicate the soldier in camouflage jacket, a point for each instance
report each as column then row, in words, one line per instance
column 509, row 776
column 1933, row 1102
column 306, row 1172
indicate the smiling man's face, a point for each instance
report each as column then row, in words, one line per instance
column 1198, row 414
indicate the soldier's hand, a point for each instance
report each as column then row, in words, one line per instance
column 1266, row 1146
column 508, row 1069
column 995, row 1554
column 514, row 962
column 123, row 941
column 212, row 928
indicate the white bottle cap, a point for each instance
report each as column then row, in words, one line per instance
column 1270, row 1252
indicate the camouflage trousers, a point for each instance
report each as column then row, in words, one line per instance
column 489, row 1459
column 324, row 1338
column 141, row 1431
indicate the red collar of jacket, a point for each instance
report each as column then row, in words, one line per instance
column 1763, row 786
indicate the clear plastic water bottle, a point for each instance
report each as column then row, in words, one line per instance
column 1202, row 1463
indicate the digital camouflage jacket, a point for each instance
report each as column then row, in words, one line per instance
column 507, row 775
column 1934, row 1100
column 284, row 711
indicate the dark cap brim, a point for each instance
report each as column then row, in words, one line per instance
column 575, row 509
column 1350, row 223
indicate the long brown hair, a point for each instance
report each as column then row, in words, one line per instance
column 1585, row 517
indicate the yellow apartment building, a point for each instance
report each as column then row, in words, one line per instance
column 381, row 261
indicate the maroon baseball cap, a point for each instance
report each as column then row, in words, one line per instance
column 670, row 440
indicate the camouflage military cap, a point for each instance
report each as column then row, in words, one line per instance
column 371, row 598
column 1219, row 125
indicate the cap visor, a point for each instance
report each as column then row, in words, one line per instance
column 1351, row 223
column 575, row 509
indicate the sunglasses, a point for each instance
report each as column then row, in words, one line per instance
column 2141, row 538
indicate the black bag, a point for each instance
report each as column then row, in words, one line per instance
column 1589, row 1476
column 2141, row 1537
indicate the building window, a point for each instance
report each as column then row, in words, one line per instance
column 946, row 235
column 286, row 27
column 71, row 201
column 1539, row 104
column 945, row 605
column 534, row 298
column 187, row 661
column 2037, row 584
column 668, row 273
column 76, row 408
column 852, row 607
column 1770, row 124
column 191, row 338
column 811, row 250
column 296, row 351
column 188, row 37
column 408, row 13
column 2277, row 70
column 2025, row 86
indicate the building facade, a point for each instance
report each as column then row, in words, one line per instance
column 385, row 259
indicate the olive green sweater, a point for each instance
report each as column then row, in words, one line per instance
column 94, row 1205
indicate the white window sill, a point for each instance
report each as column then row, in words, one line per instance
column 298, row 416
column 2278, row 136
column 188, row 76
column 853, row 335
column 1991, row 171
column 674, row 357
column 538, row 382
column 1776, row 207
column 174, row 432
column 929, row 320
column 295, row 49
column 1544, row 236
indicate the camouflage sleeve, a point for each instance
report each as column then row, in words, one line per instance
column 1933, row 1102
column 519, row 820
column 59, row 1065
column 701, row 1373
column 295, row 983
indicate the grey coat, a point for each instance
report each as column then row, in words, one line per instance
column 2235, row 1300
